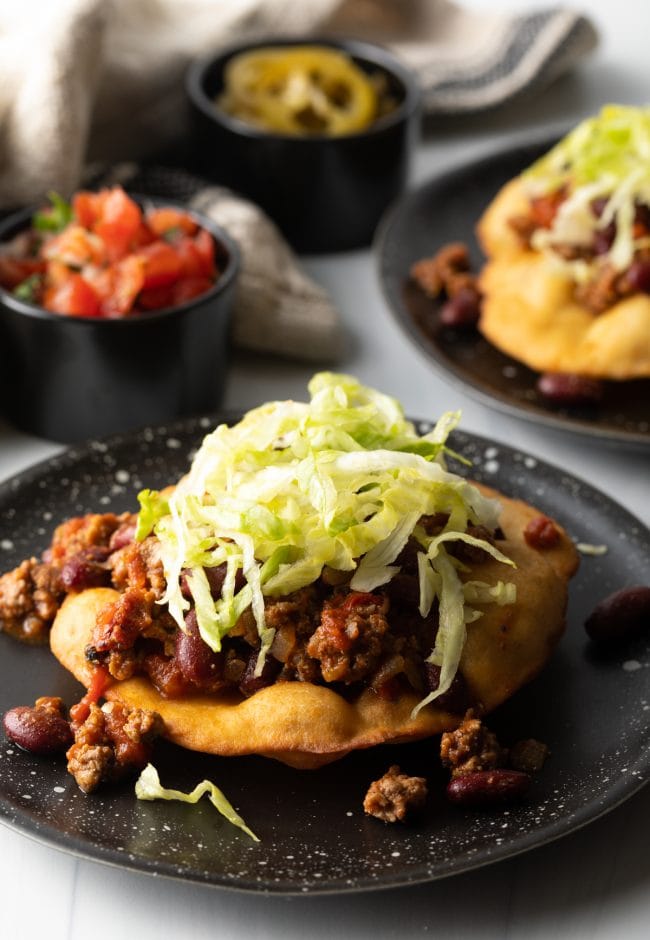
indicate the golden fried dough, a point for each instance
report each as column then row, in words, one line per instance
column 509, row 645
column 529, row 310
column 306, row 725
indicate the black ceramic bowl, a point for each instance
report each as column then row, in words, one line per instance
column 325, row 193
column 69, row 378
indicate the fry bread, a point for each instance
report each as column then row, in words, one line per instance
column 307, row 725
column 529, row 310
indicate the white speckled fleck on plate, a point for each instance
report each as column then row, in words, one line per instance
column 593, row 713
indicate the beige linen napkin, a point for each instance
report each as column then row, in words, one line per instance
column 102, row 80
column 277, row 307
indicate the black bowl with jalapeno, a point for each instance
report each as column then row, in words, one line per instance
column 307, row 145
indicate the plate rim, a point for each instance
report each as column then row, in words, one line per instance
column 610, row 437
column 595, row 808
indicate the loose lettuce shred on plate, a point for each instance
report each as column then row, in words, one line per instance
column 148, row 787
column 340, row 481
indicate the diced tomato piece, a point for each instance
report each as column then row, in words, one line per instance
column 191, row 287
column 157, row 298
column 14, row 271
column 162, row 265
column 164, row 220
column 119, row 223
column 57, row 273
column 99, row 682
column 87, row 206
column 205, row 245
column 75, row 297
column 192, row 261
column 144, row 236
column 75, row 246
column 197, row 255
column 543, row 209
column 118, row 285
column 127, row 282
column 102, row 281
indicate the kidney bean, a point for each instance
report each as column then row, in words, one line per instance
column 642, row 215
column 604, row 239
column 620, row 617
column 598, row 205
column 485, row 788
column 251, row 683
column 166, row 675
column 197, row 662
column 564, row 388
column 456, row 699
column 638, row 276
column 39, row 729
column 122, row 536
column 541, row 532
column 86, row 569
column 216, row 576
column 463, row 310
column 389, row 689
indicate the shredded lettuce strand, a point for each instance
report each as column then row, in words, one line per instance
column 341, row 481
column 148, row 787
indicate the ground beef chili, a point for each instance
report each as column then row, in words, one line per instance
column 606, row 286
column 29, row 599
column 324, row 633
column 473, row 752
column 447, row 274
column 77, row 558
column 111, row 743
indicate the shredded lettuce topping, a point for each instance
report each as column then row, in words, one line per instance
column 341, row 481
column 148, row 787
column 606, row 156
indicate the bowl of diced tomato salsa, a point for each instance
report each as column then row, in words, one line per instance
column 114, row 313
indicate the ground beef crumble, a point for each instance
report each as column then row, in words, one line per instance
column 447, row 272
column 113, row 741
column 348, row 643
column 30, row 596
column 470, row 747
column 138, row 565
column 395, row 796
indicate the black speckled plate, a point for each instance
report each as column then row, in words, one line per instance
column 314, row 836
column 446, row 209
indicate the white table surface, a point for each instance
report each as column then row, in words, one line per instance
column 593, row 884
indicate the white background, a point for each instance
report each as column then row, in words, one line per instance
column 593, row 884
